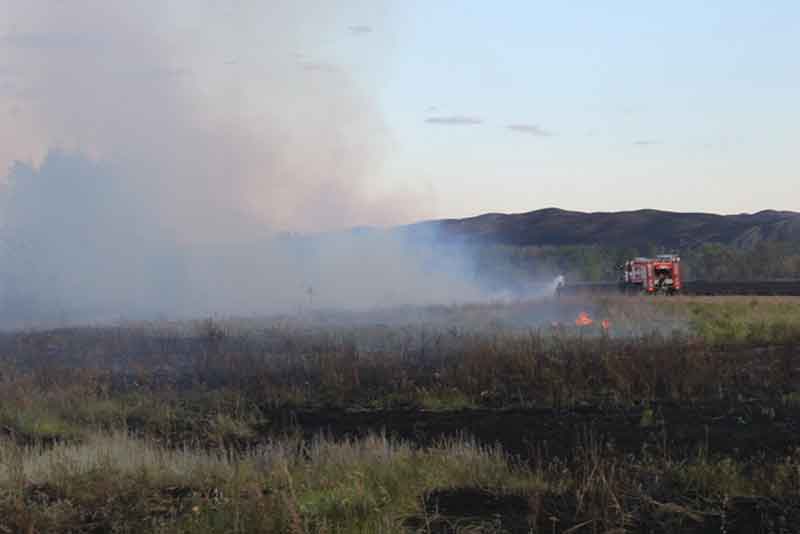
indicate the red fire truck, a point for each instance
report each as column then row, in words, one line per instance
column 659, row 275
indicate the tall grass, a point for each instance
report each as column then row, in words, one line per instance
column 161, row 428
column 115, row 482
column 352, row 485
column 226, row 379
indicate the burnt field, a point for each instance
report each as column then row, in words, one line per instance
column 785, row 288
column 676, row 415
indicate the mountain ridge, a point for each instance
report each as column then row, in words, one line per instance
column 635, row 228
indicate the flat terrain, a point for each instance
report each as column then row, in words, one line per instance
column 700, row 288
column 676, row 415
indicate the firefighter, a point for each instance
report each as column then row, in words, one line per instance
column 560, row 282
column 660, row 281
column 664, row 281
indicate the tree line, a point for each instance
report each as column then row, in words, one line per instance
column 509, row 265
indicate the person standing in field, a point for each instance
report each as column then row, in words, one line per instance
column 559, row 284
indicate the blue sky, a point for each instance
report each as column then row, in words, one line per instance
column 688, row 106
column 682, row 105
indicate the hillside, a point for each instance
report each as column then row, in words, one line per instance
column 640, row 229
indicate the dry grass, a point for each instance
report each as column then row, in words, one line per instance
column 220, row 376
column 116, row 482
column 160, row 428
column 351, row 485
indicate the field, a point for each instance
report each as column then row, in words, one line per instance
column 784, row 288
column 677, row 415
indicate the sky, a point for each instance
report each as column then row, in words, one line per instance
column 173, row 156
column 682, row 105
column 448, row 108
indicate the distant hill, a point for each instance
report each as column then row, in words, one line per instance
column 641, row 228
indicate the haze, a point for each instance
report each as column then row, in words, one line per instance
column 456, row 108
column 152, row 147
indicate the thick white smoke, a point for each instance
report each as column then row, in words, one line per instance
column 156, row 182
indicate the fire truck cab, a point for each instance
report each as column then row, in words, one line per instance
column 661, row 274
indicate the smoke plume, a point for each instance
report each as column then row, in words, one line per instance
column 159, row 175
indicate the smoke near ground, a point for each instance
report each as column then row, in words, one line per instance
column 153, row 183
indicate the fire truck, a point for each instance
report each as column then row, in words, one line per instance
column 659, row 275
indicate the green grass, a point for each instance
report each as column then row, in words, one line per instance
column 190, row 453
column 37, row 422
column 714, row 320
column 119, row 483
column 744, row 320
column 349, row 486
column 444, row 399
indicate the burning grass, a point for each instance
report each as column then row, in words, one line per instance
column 226, row 376
column 659, row 422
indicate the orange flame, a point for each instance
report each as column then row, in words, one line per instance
column 583, row 319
